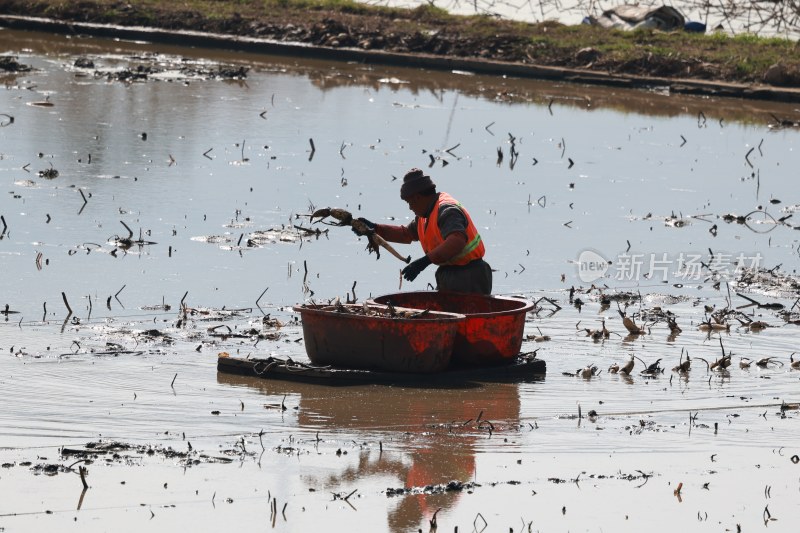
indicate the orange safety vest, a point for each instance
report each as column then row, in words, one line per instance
column 430, row 237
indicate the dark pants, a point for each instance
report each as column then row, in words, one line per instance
column 475, row 277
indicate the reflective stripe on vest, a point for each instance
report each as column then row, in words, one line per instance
column 430, row 237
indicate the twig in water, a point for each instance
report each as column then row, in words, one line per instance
column 117, row 294
column 450, row 150
column 83, row 471
column 172, row 385
column 259, row 299
column 69, row 309
column 474, row 523
column 747, row 157
column 433, row 519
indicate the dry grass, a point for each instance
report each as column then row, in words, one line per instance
column 428, row 29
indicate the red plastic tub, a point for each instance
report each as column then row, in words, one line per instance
column 379, row 341
column 493, row 329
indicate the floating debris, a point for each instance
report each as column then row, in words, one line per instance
column 10, row 64
column 49, row 174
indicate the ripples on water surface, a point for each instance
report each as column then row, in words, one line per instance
column 642, row 161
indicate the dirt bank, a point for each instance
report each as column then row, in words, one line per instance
column 707, row 64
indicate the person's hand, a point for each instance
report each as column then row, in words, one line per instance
column 361, row 226
column 411, row 272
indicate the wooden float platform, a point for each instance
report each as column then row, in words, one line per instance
column 524, row 367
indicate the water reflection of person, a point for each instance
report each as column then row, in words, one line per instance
column 435, row 431
column 447, row 234
column 442, row 454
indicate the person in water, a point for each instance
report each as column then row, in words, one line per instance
column 447, row 234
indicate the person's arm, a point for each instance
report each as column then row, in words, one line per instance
column 453, row 227
column 401, row 234
column 452, row 246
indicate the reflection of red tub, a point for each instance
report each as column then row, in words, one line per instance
column 378, row 341
column 490, row 335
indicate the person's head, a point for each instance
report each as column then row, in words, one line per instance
column 418, row 190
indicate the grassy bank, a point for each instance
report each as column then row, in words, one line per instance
column 344, row 23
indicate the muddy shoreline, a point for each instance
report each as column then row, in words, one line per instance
column 489, row 65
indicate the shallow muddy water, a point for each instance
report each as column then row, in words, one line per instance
column 212, row 172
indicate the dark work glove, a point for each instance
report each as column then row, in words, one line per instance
column 411, row 272
column 371, row 226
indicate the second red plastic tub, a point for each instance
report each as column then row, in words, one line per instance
column 493, row 329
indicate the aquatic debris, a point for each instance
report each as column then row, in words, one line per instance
column 764, row 362
column 541, row 337
column 771, row 282
column 83, row 62
column 48, row 469
column 49, row 173
column 606, row 296
column 154, row 335
column 244, row 334
column 588, row 371
column 720, row 364
column 624, row 369
column 42, row 103
column 452, row 486
column 652, row 370
column 167, row 68
column 121, row 452
column 210, row 313
column 261, row 238
column 683, row 366
column 10, row 64
column 781, row 123
column 389, row 311
column 597, row 334
column 345, row 218
column 716, row 322
column 629, row 324
column 750, row 324
column 125, row 243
